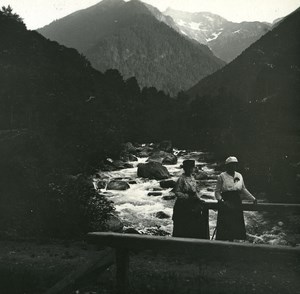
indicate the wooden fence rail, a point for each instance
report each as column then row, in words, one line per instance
column 204, row 249
column 271, row 207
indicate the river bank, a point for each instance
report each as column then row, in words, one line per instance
column 32, row 267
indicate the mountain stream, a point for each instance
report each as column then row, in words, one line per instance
column 139, row 211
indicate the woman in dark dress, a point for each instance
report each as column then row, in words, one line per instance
column 187, row 214
column 230, row 189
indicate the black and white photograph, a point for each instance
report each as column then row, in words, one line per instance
column 149, row 147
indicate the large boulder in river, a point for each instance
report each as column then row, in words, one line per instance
column 166, row 146
column 157, row 156
column 163, row 157
column 128, row 148
column 117, row 185
column 170, row 159
column 128, row 157
column 144, row 151
column 167, row 184
column 153, row 170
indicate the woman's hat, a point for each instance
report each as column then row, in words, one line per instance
column 188, row 163
column 231, row 159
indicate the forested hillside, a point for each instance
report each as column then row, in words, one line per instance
column 59, row 117
column 134, row 38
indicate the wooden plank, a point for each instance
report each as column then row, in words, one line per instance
column 210, row 250
column 102, row 262
column 282, row 207
column 122, row 269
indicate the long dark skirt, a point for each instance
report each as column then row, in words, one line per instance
column 230, row 222
column 188, row 220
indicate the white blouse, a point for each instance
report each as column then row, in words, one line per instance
column 226, row 182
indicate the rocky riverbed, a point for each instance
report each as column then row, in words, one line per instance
column 140, row 186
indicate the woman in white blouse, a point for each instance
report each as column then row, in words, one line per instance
column 230, row 190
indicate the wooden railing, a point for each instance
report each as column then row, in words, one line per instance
column 122, row 244
column 204, row 249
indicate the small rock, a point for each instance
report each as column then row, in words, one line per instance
column 169, row 197
column 97, row 176
column 156, row 232
column 128, row 165
column 114, row 224
column 118, row 185
column 157, row 189
column 132, row 182
column 162, row 215
column 132, row 157
column 118, row 164
column 131, row 231
column 154, row 194
column 101, row 185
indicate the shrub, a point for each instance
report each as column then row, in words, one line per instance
column 71, row 207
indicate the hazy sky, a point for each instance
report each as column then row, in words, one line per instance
column 37, row 13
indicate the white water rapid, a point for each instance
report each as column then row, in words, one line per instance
column 138, row 210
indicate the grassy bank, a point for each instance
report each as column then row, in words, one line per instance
column 31, row 267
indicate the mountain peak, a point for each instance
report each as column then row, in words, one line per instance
column 108, row 4
column 111, row 2
column 225, row 38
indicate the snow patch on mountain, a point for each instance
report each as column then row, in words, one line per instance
column 226, row 39
column 215, row 36
column 209, row 17
column 195, row 25
column 181, row 22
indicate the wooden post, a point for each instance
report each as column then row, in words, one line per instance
column 205, row 217
column 94, row 266
column 122, row 268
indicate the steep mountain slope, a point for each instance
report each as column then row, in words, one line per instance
column 251, row 108
column 80, row 113
column 137, row 40
column 225, row 38
column 268, row 68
